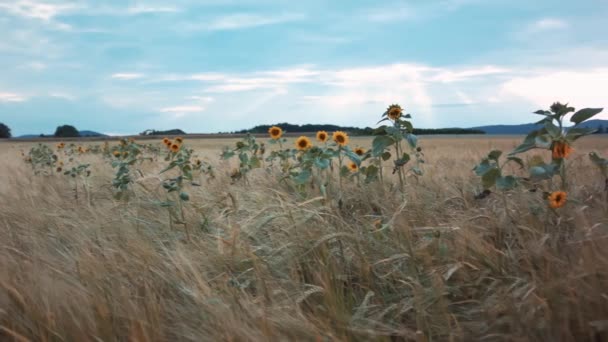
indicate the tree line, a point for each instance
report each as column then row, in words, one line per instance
column 311, row 128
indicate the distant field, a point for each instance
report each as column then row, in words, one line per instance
column 265, row 262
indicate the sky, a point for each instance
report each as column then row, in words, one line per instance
column 121, row 67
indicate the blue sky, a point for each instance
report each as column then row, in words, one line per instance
column 220, row 65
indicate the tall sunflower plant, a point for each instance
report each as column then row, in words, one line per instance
column 553, row 136
column 250, row 156
column 124, row 157
column 397, row 134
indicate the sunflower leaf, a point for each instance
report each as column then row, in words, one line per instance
column 380, row 143
column 584, row 114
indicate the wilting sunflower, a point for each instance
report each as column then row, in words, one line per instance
column 59, row 169
column 394, row 112
column 340, row 138
column 557, row 199
column 322, row 136
column 303, row 143
column 198, row 162
column 125, row 154
column 359, row 151
column 561, row 150
column 179, row 140
column 175, row 148
column 275, row 132
column 353, row 167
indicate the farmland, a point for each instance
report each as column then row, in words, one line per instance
column 260, row 259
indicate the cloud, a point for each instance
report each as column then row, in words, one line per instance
column 577, row 87
column 448, row 76
column 126, row 76
column 35, row 9
column 11, row 97
column 241, row 21
column 547, row 24
column 181, row 111
column 143, row 9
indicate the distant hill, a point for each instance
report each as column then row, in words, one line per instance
column 311, row 128
column 527, row 128
column 84, row 133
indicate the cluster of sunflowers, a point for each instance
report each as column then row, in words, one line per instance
column 175, row 145
column 553, row 136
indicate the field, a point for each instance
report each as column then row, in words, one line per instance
column 255, row 260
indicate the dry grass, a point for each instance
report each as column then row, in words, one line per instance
column 266, row 265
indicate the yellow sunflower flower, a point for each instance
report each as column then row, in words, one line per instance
column 303, row 143
column 557, row 199
column 341, row 138
column 359, row 151
column 275, row 132
column 394, row 112
column 353, row 167
column 322, row 136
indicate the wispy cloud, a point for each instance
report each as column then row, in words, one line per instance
column 12, row 97
column 241, row 21
column 126, row 76
column 143, row 9
column 547, row 24
column 35, row 9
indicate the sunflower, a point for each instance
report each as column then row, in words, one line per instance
column 322, row 136
column 125, row 154
column 275, row 132
column 116, row 153
column 353, row 167
column 557, row 199
column 303, row 143
column 175, row 147
column 198, row 162
column 59, row 169
column 394, row 112
column 359, row 151
column 340, row 138
column 60, row 146
column 179, row 140
column 561, row 150
column 166, row 141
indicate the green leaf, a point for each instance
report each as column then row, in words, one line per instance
column 302, row 177
column 506, row 183
column 321, row 163
column 380, row 143
column 584, row 114
column 553, row 130
column 575, row 133
column 403, row 160
column 184, row 196
column 408, row 126
column 517, row 160
column 543, row 112
column 489, row 178
column 412, row 140
column 597, row 160
column 386, row 156
column 494, row 155
column 483, row 167
column 542, row 172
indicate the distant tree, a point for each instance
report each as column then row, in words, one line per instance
column 66, row 131
column 5, row 132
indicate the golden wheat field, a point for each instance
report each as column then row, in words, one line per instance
column 256, row 259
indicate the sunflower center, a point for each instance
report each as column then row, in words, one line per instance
column 303, row 143
column 340, row 138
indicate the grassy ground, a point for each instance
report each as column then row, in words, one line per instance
column 264, row 264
